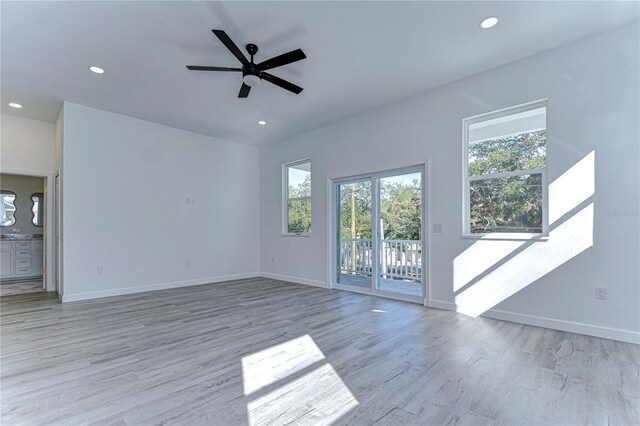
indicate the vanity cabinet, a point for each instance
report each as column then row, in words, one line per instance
column 21, row 259
column 7, row 263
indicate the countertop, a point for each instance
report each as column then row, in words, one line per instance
column 21, row 237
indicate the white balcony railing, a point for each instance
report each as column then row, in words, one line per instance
column 399, row 259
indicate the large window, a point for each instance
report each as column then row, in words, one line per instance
column 505, row 172
column 297, row 198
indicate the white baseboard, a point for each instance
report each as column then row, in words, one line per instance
column 629, row 336
column 153, row 287
column 441, row 304
column 622, row 335
column 296, row 280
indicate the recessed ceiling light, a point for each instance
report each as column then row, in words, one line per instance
column 97, row 70
column 14, row 105
column 489, row 22
column 262, row 122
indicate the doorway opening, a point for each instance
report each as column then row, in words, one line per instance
column 23, row 229
column 378, row 234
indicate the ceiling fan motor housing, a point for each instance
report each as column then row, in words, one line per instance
column 250, row 74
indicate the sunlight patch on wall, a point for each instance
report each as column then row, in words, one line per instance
column 565, row 242
column 478, row 258
column 278, row 362
column 319, row 396
column 572, row 188
column 498, row 267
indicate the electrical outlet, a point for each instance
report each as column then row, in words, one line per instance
column 187, row 263
column 437, row 228
column 99, row 270
column 188, row 200
column 273, row 259
column 601, row 293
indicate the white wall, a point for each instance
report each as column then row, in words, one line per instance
column 26, row 145
column 125, row 184
column 592, row 87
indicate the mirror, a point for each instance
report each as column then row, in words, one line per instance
column 8, row 206
column 37, row 209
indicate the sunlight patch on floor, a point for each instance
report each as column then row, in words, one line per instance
column 278, row 362
column 319, row 396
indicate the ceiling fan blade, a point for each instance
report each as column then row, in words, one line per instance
column 244, row 91
column 202, row 68
column 224, row 38
column 282, row 83
column 284, row 59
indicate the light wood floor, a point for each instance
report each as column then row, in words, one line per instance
column 267, row 352
column 21, row 287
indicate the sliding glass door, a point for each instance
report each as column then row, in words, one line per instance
column 400, row 234
column 379, row 234
column 354, row 217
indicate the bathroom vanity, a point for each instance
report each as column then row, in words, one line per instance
column 21, row 257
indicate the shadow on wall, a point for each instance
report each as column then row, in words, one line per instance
column 489, row 272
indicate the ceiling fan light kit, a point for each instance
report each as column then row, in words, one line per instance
column 251, row 80
column 252, row 73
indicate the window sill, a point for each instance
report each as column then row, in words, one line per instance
column 507, row 237
column 296, row 235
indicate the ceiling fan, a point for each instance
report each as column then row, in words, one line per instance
column 253, row 74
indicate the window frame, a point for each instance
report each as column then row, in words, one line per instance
column 286, row 199
column 466, row 179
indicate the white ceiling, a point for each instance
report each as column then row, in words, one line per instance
column 361, row 55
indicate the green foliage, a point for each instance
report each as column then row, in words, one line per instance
column 507, row 204
column 303, row 189
column 518, row 152
column 502, row 204
column 299, row 211
column 359, row 195
column 299, row 221
column 400, row 210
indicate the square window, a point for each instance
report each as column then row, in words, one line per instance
column 505, row 172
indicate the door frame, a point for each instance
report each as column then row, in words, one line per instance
column 47, row 243
column 57, row 244
column 332, row 249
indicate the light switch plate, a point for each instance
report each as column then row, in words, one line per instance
column 437, row 228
